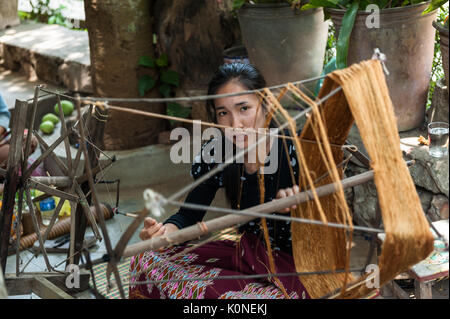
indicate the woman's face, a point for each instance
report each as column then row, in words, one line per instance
column 239, row 112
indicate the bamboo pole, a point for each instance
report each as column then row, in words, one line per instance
column 220, row 223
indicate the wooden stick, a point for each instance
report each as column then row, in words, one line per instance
column 57, row 181
column 85, row 205
column 65, row 133
column 90, row 180
column 31, row 128
column 11, row 179
column 44, row 155
column 52, row 191
column 57, row 160
column 220, row 223
column 36, row 227
column 90, row 100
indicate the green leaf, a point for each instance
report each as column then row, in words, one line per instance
column 52, row 20
column 170, row 77
column 364, row 3
column 382, row 3
column 165, row 89
column 162, row 61
column 145, row 84
column 320, row 4
column 175, row 109
column 434, row 5
column 237, row 4
column 147, row 61
column 344, row 35
column 343, row 2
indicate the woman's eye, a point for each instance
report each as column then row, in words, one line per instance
column 244, row 108
column 221, row 113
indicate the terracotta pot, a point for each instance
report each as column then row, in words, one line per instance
column 285, row 45
column 406, row 37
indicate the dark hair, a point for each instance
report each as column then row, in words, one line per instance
column 250, row 77
column 246, row 74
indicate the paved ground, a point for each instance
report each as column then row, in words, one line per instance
column 14, row 85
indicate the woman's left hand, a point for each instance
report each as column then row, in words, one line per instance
column 34, row 141
column 282, row 193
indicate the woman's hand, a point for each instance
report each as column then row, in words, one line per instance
column 34, row 141
column 282, row 193
column 154, row 229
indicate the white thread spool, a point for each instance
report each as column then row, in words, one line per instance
column 152, row 202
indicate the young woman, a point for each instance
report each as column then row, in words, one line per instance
column 243, row 254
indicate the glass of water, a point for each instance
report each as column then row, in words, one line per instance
column 438, row 137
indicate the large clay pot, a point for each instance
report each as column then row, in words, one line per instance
column 406, row 37
column 285, row 45
column 443, row 40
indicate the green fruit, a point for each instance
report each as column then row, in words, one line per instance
column 67, row 107
column 50, row 117
column 47, row 127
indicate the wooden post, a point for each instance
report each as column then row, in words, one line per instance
column 11, row 179
column 96, row 128
column 423, row 290
column 3, row 292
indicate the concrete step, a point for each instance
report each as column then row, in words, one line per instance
column 15, row 85
column 50, row 53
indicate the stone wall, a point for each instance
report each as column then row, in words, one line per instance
column 430, row 175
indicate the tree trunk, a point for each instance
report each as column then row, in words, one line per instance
column 8, row 14
column 120, row 32
column 194, row 33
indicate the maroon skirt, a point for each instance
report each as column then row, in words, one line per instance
column 203, row 272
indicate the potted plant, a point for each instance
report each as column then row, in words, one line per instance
column 403, row 31
column 285, row 43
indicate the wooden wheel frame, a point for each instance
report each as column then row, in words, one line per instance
column 78, row 190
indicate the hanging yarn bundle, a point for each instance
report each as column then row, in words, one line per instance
column 365, row 100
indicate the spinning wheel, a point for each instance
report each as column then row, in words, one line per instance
column 77, row 189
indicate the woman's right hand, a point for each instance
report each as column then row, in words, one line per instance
column 154, row 229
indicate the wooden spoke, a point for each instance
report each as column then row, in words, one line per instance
column 30, row 128
column 43, row 156
column 65, row 133
column 57, row 160
column 36, row 227
column 53, row 220
column 19, row 217
column 52, row 191
column 113, row 262
column 87, row 211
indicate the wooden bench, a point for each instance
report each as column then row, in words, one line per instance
column 428, row 271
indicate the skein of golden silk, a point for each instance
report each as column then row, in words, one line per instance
column 364, row 100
